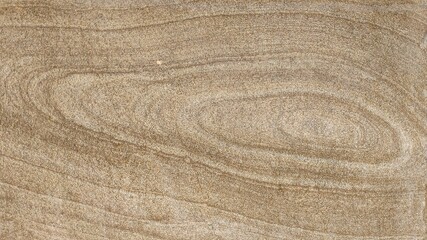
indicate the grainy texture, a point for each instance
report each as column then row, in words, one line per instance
column 243, row 119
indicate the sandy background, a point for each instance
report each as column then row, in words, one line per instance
column 213, row 119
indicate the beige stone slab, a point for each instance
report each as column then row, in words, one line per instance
column 231, row 119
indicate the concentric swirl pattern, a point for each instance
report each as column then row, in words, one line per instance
column 272, row 121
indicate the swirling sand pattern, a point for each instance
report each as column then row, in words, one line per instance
column 213, row 119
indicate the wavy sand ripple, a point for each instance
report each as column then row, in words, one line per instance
column 213, row 120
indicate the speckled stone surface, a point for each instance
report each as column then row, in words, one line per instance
column 233, row 119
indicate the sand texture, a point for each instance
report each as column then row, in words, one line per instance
column 213, row 119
